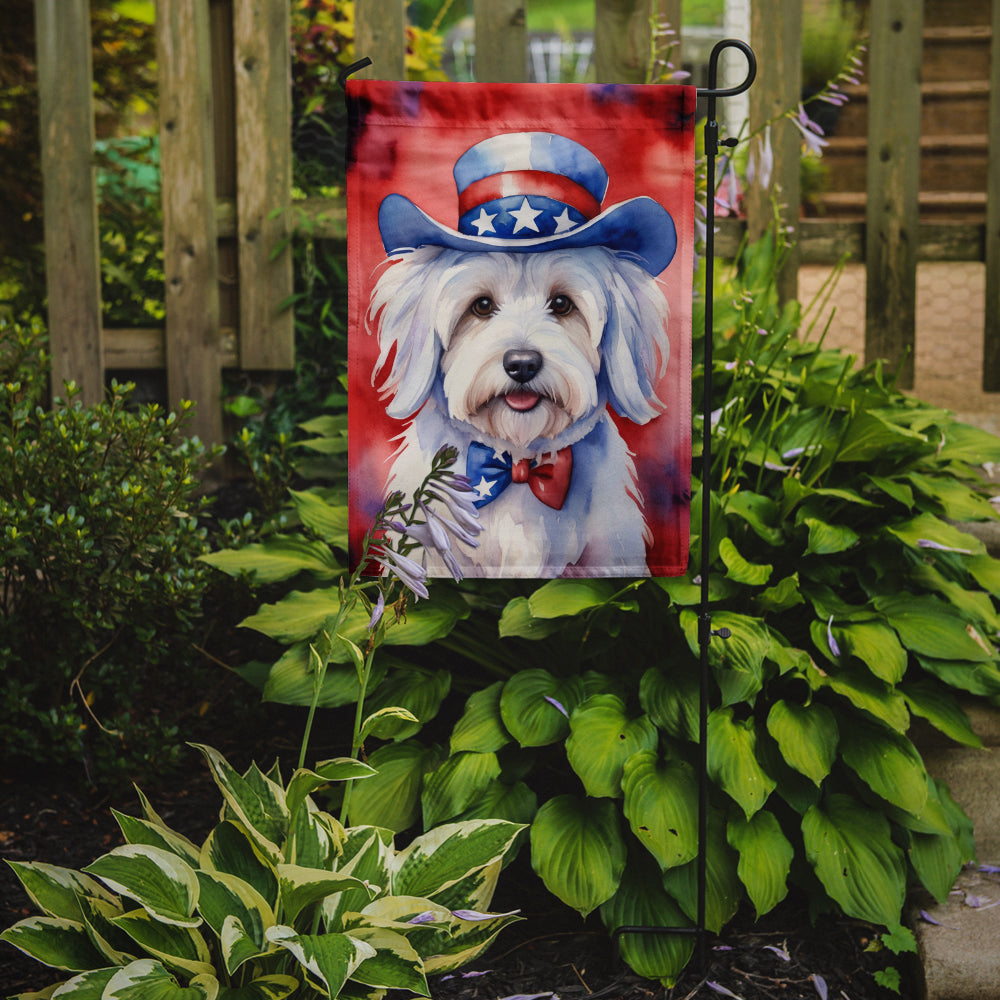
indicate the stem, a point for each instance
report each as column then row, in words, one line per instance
column 356, row 737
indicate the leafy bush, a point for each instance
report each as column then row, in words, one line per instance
column 854, row 601
column 99, row 540
column 279, row 899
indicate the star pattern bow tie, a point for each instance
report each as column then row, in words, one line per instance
column 490, row 474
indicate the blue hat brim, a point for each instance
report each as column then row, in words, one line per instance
column 640, row 228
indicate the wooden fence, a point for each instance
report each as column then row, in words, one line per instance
column 226, row 161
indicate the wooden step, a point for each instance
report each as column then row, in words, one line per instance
column 963, row 206
column 945, row 12
column 956, row 53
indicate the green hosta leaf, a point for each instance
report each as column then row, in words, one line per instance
column 578, row 851
column 602, row 738
column 888, row 763
column 516, row 803
column 738, row 569
column 941, row 709
column 986, row 572
column 560, row 598
column 517, row 620
column 291, row 680
column 418, row 691
column 732, row 760
column 927, row 528
column 876, row 646
column 976, row 678
column 141, row 831
column 54, row 941
column 850, row 848
column 870, row 436
column 683, row 592
column 758, row 511
column 535, row 706
column 931, row 628
column 395, row 964
column 723, row 889
column 965, row 443
column 56, row 891
column 864, row 691
column 738, row 661
column 641, row 901
column 807, row 736
column 301, row 887
column 481, row 728
column 275, row 987
column 230, row 849
column 443, row 856
column 456, row 784
column 975, row 605
column 327, row 520
column 330, row 959
column 260, row 809
column 160, row 882
column 391, row 798
column 661, row 800
column 937, row 859
column 894, row 489
column 956, row 500
column 180, row 948
column 387, row 723
column 226, row 898
column 671, row 700
column 783, row 595
column 279, row 558
column 765, row 858
column 828, row 539
column 147, row 979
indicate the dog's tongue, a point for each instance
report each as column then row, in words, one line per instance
column 521, row 399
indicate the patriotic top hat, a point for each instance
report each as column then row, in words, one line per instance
column 532, row 191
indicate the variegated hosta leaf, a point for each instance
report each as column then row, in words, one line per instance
column 177, row 947
column 301, row 887
column 578, row 851
column 602, row 737
column 56, row 891
column 230, row 849
column 888, row 763
column 274, row 987
column 329, row 959
column 54, row 941
column 304, row 782
column 158, row 880
column 315, row 838
column 807, row 736
column 466, row 941
column 765, row 858
column 225, row 897
column 116, row 947
column 441, row 857
column 456, row 784
column 481, row 727
column 86, row 986
column 535, row 706
column 256, row 801
column 367, row 853
column 147, row 979
column 642, row 902
column 850, row 847
column 391, row 799
column 141, row 831
column 661, row 805
column 732, row 760
column 395, row 964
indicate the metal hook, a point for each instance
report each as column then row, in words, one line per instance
column 712, row 91
column 349, row 70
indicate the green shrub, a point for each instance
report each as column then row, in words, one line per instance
column 99, row 542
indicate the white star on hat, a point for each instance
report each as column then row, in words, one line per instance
column 526, row 216
column 484, row 224
column 564, row 222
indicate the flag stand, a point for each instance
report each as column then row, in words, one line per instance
column 705, row 630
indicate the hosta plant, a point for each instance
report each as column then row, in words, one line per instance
column 279, row 900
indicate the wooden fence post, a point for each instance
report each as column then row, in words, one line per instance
column 72, row 255
column 501, row 41
column 892, row 214
column 991, row 332
column 776, row 35
column 380, row 34
column 190, row 251
column 622, row 37
column 262, row 62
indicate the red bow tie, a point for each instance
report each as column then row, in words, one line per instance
column 490, row 475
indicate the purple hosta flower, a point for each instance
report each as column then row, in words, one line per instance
column 927, row 543
column 475, row 915
column 719, row 988
column 727, row 198
column 820, row 983
column 427, row 917
column 465, row 975
column 831, row 642
column 760, row 165
column 989, row 869
column 927, row 918
column 410, row 573
column 377, row 612
column 780, row 952
column 812, row 134
column 558, row 705
column 531, row 996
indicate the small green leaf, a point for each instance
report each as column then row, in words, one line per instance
column 941, row 709
column 888, row 763
column 279, row 558
column 765, row 858
column 517, row 620
column 828, row 539
column 456, row 784
column 481, row 727
column 328, row 521
column 738, row 569
column 671, row 699
column 732, row 760
column 535, row 706
column 932, row 628
column 561, row 598
column 807, row 736
column 391, row 798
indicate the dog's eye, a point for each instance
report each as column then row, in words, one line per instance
column 483, row 306
column 561, row 305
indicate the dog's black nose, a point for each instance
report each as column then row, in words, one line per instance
column 522, row 366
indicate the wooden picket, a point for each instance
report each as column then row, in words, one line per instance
column 226, row 161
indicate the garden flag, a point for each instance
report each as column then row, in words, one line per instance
column 520, row 275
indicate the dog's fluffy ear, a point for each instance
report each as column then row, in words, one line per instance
column 402, row 310
column 635, row 346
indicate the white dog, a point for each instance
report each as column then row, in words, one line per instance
column 523, row 353
column 510, row 338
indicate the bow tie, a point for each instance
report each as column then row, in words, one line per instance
column 491, row 474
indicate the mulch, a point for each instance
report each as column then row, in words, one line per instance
column 551, row 952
